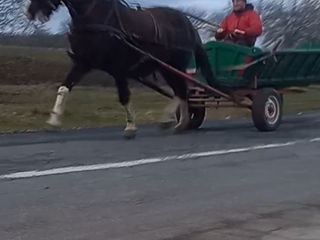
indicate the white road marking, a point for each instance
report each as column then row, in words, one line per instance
column 315, row 140
column 96, row 167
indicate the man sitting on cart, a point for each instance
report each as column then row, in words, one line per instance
column 242, row 26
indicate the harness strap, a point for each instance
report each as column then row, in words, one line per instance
column 99, row 28
column 116, row 9
column 156, row 27
column 91, row 7
column 139, row 63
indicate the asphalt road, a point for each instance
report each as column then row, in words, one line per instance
column 226, row 181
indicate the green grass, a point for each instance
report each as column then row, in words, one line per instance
column 304, row 102
column 35, row 53
column 33, row 66
column 27, row 107
column 21, row 65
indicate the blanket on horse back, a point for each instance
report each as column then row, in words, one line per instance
column 163, row 26
column 156, row 30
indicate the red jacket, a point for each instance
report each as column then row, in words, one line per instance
column 248, row 21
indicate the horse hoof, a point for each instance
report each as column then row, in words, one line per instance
column 51, row 128
column 53, row 124
column 130, row 134
column 54, row 121
column 180, row 128
column 166, row 125
column 178, row 131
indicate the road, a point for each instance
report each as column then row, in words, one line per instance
column 226, row 182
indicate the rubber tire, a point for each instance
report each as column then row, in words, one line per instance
column 197, row 116
column 259, row 117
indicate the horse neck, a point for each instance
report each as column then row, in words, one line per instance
column 97, row 15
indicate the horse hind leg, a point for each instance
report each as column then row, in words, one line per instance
column 74, row 76
column 124, row 98
column 169, row 117
column 179, row 103
column 184, row 116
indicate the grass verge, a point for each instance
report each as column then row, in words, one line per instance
column 27, row 107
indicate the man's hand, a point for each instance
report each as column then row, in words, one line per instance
column 236, row 34
column 220, row 30
column 240, row 32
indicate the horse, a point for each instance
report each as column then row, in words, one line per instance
column 111, row 36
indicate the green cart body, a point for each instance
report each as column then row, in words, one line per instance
column 283, row 69
column 252, row 78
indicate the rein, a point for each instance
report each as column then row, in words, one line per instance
column 211, row 24
column 90, row 8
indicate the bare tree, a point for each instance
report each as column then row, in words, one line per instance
column 13, row 18
column 296, row 22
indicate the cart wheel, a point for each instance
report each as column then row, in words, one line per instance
column 197, row 116
column 281, row 97
column 267, row 110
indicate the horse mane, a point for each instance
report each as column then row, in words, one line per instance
column 123, row 3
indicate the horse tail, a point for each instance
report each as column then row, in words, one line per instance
column 203, row 63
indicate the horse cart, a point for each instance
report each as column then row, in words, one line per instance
column 249, row 78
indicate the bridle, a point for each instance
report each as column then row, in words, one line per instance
column 90, row 8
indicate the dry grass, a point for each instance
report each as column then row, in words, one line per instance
column 27, row 107
column 33, row 66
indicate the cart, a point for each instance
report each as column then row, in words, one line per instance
column 253, row 79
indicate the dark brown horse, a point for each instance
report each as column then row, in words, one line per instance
column 100, row 37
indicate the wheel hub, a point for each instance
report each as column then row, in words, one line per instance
column 272, row 110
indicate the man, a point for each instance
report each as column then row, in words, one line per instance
column 242, row 26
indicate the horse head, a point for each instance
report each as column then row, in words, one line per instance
column 42, row 9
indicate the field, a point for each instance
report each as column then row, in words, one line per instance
column 33, row 66
column 28, row 82
column 27, row 107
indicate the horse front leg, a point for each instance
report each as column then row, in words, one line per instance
column 58, row 108
column 124, row 98
column 73, row 77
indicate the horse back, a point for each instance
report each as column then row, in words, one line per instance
column 165, row 26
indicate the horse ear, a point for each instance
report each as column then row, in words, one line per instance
column 56, row 2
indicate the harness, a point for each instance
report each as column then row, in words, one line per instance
column 132, row 40
column 120, row 32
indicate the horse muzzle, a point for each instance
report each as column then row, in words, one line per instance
column 30, row 16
